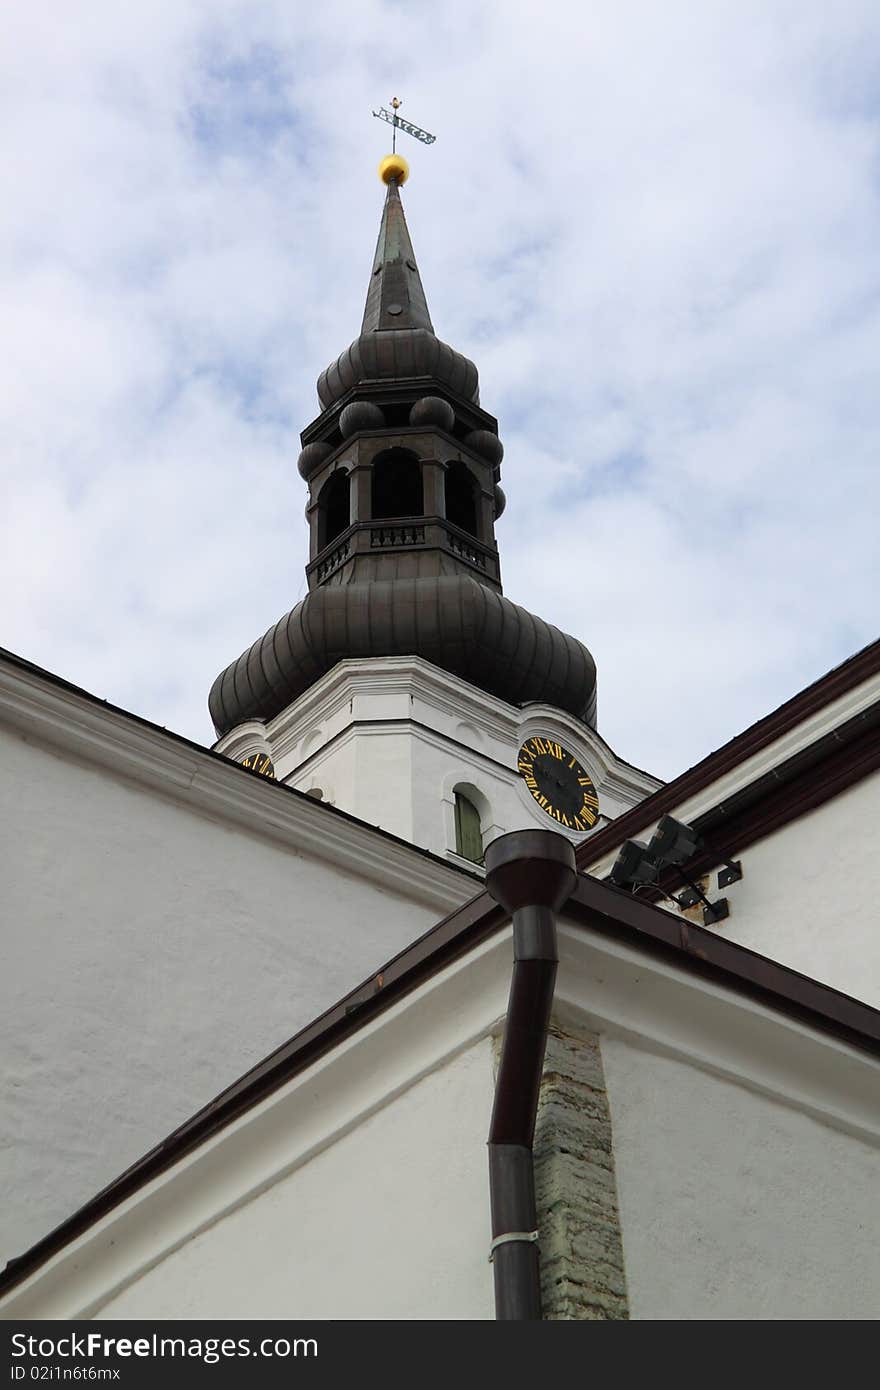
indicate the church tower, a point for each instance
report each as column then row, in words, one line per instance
column 405, row 688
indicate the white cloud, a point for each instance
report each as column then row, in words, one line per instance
column 653, row 227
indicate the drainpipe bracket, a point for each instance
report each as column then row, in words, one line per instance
column 530, row 1237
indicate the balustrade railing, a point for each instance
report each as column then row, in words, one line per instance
column 459, row 546
column 397, row 534
column 385, row 534
column 332, row 561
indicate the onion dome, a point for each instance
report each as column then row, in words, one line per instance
column 397, row 339
column 453, row 621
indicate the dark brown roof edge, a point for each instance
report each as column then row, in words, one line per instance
column 805, row 781
column 598, row 905
column 717, row 958
column 815, row 774
column 829, row 687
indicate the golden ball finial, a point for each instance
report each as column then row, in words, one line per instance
column 394, row 166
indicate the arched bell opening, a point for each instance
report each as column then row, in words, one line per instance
column 397, row 485
column 334, row 507
column 461, row 498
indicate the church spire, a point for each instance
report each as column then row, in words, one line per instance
column 403, row 468
column 395, row 298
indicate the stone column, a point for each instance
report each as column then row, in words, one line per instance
column 434, row 486
column 486, row 517
column 362, row 492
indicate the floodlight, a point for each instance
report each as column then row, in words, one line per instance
column 633, row 865
column 673, row 842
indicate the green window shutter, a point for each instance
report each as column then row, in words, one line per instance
column 468, row 839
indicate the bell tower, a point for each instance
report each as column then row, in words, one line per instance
column 404, row 683
column 402, row 464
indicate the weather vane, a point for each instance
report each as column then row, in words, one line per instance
column 398, row 123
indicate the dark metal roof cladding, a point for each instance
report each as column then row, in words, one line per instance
column 398, row 355
column 453, row 621
column 395, row 298
column 397, row 339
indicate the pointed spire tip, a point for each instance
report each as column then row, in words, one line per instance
column 395, row 298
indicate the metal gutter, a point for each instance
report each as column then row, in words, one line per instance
column 530, row 873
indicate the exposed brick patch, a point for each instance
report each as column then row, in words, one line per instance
column 582, row 1269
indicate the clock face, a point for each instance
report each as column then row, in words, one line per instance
column 261, row 763
column 558, row 783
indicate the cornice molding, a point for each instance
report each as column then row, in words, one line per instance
column 416, row 679
column 212, row 785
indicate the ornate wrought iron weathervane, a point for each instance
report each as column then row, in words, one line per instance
column 398, row 123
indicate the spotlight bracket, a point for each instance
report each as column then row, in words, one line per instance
column 715, row 912
column 731, row 873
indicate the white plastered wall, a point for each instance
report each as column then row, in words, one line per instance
column 746, row 1148
column 734, row 1204
column 359, row 1188
column 809, row 894
column 390, row 1221
column 155, row 947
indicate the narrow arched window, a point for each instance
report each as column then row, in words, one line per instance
column 461, row 498
column 334, row 507
column 468, row 836
column 397, row 485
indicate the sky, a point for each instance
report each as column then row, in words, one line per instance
column 653, row 227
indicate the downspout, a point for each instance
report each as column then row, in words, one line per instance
column 530, row 873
